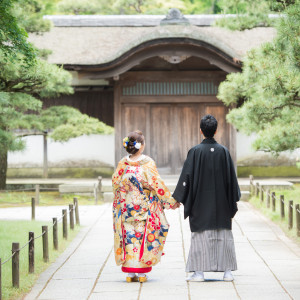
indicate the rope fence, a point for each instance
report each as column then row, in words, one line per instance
column 260, row 192
column 73, row 208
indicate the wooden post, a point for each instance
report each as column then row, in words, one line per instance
column 37, row 194
column 31, row 253
column 261, row 193
column 273, row 202
column 71, row 216
column 268, row 198
column 15, row 265
column 32, row 208
column 96, row 193
column 256, row 189
column 45, row 164
column 282, row 206
column 298, row 219
column 45, row 244
column 251, row 184
column 65, row 224
column 75, row 200
column 0, row 280
column 290, row 210
column 55, row 234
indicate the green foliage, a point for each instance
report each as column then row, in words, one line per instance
column 118, row 7
column 68, row 122
column 20, row 84
column 125, row 7
column 29, row 14
column 13, row 36
column 268, row 89
column 79, row 7
column 201, row 7
column 249, row 14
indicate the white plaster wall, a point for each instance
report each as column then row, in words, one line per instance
column 84, row 148
column 93, row 150
column 243, row 145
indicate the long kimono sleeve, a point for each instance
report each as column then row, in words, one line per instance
column 116, row 177
column 157, row 184
column 233, row 189
column 184, row 189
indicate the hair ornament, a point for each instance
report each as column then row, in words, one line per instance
column 137, row 145
column 125, row 142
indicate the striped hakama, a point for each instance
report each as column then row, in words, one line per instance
column 212, row 251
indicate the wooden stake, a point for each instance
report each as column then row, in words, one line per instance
column 290, row 210
column 55, row 234
column 282, row 207
column 273, row 201
column 65, row 224
column 75, row 200
column 261, row 193
column 45, row 244
column 71, row 213
column 15, row 265
column 32, row 208
column 268, row 198
column 37, row 194
column 256, row 189
column 31, row 253
column 0, row 279
column 298, row 219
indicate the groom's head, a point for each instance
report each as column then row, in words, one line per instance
column 208, row 126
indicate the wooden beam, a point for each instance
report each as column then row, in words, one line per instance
column 170, row 99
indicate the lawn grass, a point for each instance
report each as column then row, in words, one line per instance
column 13, row 199
column 17, row 231
column 293, row 194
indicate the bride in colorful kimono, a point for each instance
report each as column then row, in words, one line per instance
column 140, row 197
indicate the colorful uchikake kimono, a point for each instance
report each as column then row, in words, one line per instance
column 140, row 225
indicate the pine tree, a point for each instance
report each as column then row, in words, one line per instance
column 25, row 79
column 264, row 98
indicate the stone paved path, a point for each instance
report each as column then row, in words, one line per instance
column 268, row 264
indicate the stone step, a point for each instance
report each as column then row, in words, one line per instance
column 78, row 188
column 108, row 197
column 89, row 187
column 274, row 184
column 245, row 195
column 244, row 187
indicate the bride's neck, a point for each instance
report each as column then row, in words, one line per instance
column 135, row 156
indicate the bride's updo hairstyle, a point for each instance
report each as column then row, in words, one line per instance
column 135, row 140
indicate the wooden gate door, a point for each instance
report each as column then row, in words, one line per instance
column 172, row 129
column 186, row 131
column 160, row 136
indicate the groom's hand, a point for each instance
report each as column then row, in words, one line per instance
column 176, row 205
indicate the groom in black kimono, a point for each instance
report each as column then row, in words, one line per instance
column 209, row 190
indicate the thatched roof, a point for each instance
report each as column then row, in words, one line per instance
column 96, row 40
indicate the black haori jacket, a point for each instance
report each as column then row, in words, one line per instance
column 208, row 187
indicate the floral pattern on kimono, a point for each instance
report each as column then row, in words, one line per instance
column 140, row 225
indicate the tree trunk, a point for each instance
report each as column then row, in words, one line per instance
column 3, row 169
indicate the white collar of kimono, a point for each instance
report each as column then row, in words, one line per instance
column 140, row 158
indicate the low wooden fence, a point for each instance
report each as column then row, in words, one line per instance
column 286, row 207
column 73, row 209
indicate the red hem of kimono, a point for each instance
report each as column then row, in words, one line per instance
column 136, row 270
